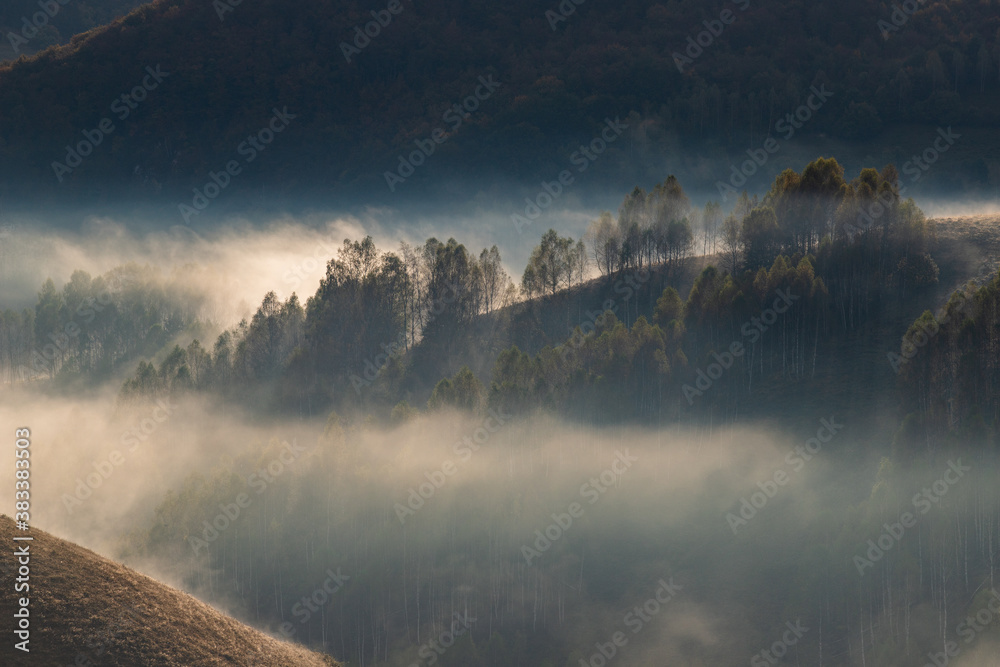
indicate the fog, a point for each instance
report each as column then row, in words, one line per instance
column 453, row 501
column 233, row 266
column 245, row 246
column 232, row 263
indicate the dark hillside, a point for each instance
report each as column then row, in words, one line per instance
column 354, row 119
column 854, row 375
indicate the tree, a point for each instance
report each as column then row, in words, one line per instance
column 48, row 322
column 550, row 265
column 732, row 243
column 760, row 237
column 605, row 242
column 669, row 307
column 413, row 298
column 514, row 375
column 632, row 222
column 493, row 279
column 711, row 223
column 358, row 308
column 463, row 391
column 530, row 283
column 668, row 206
column 402, row 412
column 679, row 239
column 452, row 289
column 576, row 263
column 275, row 330
column 820, row 190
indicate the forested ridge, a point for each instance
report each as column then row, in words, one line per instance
column 356, row 114
column 698, row 316
column 824, row 260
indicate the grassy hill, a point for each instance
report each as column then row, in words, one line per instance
column 86, row 609
column 852, row 376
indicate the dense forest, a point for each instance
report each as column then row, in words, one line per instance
column 559, row 81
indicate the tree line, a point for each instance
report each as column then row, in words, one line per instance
column 371, row 308
column 382, row 324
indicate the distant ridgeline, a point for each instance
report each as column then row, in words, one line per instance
column 29, row 26
column 354, row 83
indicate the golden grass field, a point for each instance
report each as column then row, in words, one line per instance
column 88, row 610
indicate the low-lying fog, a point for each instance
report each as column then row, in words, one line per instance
column 536, row 523
column 234, row 264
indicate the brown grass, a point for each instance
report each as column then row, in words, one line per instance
column 977, row 240
column 88, row 610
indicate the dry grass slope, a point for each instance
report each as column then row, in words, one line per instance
column 88, row 610
column 980, row 236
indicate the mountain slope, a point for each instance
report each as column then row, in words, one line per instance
column 86, row 609
column 356, row 113
column 63, row 21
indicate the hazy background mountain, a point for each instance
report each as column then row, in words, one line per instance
column 228, row 70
